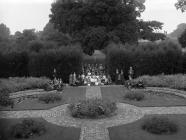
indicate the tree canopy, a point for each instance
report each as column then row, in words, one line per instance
column 4, row 32
column 182, row 39
column 95, row 23
column 181, row 4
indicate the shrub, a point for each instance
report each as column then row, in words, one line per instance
column 28, row 128
column 92, row 108
column 5, row 100
column 50, row 98
column 134, row 84
column 137, row 96
column 160, row 125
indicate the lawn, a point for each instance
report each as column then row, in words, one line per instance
column 53, row 132
column 133, row 131
column 69, row 95
column 158, row 99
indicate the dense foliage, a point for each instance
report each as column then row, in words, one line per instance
column 65, row 61
column 93, row 108
column 95, row 23
column 181, row 4
column 146, row 58
column 182, row 39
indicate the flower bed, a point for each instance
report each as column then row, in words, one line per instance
column 160, row 126
column 28, row 128
column 93, row 108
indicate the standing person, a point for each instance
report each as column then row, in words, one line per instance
column 54, row 73
column 119, row 79
column 122, row 77
column 116, row 77
column 109, row 79
column 74, row 79
column 70, row 79
column 131, row 73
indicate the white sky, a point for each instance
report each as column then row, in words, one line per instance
column 27, row 14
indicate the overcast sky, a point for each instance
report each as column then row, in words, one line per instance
column 27, row 14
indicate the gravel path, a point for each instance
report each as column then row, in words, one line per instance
column 93, row 92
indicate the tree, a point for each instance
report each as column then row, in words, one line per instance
column 35, row 45
column 178, row 31
column 96, row 22
column 4, row 32
column 182, row 39
column 147, row 29
column 86, row 21
column 51, row 34
column 181, row 4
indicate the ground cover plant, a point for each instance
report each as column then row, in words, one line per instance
column 22, row 83
column 160, row 126
column 151, row 99
column 134, row 131
column 69, row 95
column 51, row 131
column 92, row 108
column 171, row 81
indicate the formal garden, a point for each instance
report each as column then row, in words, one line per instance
column 87, row 76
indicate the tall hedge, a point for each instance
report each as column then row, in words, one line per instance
column 65, row 61
column 184, row 62
column 14, row 64
column 146, row 58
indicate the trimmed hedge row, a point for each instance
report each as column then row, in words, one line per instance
column 146, row 59
column 65, row 61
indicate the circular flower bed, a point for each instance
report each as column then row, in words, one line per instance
column 93, row 108
column 137, row 96
column 50, row 98
column 160, row 125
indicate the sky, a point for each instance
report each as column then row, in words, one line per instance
column 28, row 14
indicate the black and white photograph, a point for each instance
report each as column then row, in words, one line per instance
column 92, row 69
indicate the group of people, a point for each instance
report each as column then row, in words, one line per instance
column 94, row 74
